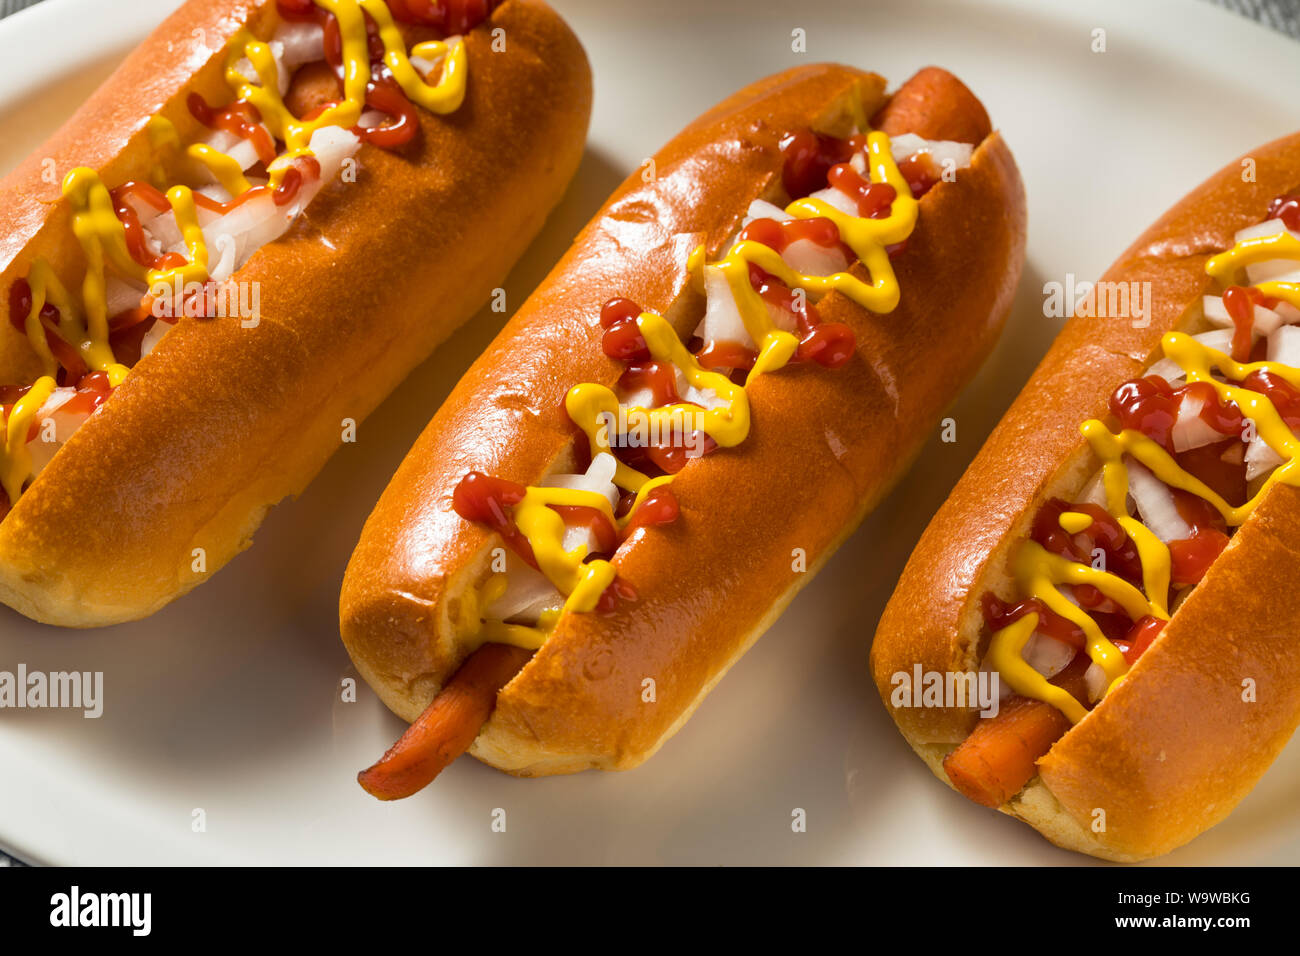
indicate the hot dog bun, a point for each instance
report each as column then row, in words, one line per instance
column 220, row 422
column 710, row 583
column 1172, row 749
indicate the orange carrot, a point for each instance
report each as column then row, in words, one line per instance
column 448, row 725
column 995, row 762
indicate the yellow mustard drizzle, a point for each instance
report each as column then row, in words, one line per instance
column 868, row 238
column 1038, row 573
column 595, row 408
column 1074, row 521
column 16, row 463
column 102, row 235
column 163, row 139
column 444, row 96
column 224, row 168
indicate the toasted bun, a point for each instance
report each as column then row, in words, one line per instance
column 1173, row 748
column 711, row 582
column 220, row 422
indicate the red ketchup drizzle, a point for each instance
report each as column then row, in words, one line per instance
column 659, row 507
column 808, row 158
column 921, row 173
column 1284, row 396
column 304, row 168
column 622, row 340
column 1139, row 637
column 659, row 377
column 136, row 243
column 830, row 344
column 447, row 16
column 780, row 235
column 383, row 93
column 1150, row 405
column 1240, row 301
column 20, row 303
column 1120, row 553
column 999, row 614
column 1286, row 208
column 92, row 391
column 1220, row 465
column 488, row 500
column 240, row 118
column 596, row 521
column 1191, row 557
column 873, row 199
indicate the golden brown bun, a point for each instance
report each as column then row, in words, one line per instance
column 1173, row 748
column 712, row 581
column 220, row 422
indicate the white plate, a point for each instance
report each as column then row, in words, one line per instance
column 226, row 701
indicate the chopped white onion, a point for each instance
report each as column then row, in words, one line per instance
column 1190, row 429
column 722, row 321
column 838, row 200
column 1155, row 503
column 224, row 267
column 941, row 151
column 1273, row 270
column 1047, row 655
column 1269, row 227
column 214, row 191
column 579, row 536
column 1284, row 346
column 1094, row 678
column 762, row 209
column 244, row 67
column 1169, row 370
column 809, row 258
column 598, row 478
column 301, row 41
column 706, row 398
column 153, row 337
column 258, row 220
column 1218, row 339
column 1094, row 492
column 65, row 423
column 427, row 67
column 528, row 593
column 1260, row 458
column 236, row 147
column 1264, row 320
column 123, row 294
column 1289, row 312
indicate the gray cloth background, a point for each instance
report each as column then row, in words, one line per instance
column 1281, row 15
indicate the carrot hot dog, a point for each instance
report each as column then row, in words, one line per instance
column 1135, row 515
column 265, row 217
column 733, row 363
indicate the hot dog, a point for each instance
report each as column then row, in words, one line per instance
column 252, row 231
column 737, row 358
column 1130, row 522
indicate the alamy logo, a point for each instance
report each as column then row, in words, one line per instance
column 958, row 689
column 55, row 689
column 1101, row 300
column 75, row 908
column 208, row 300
